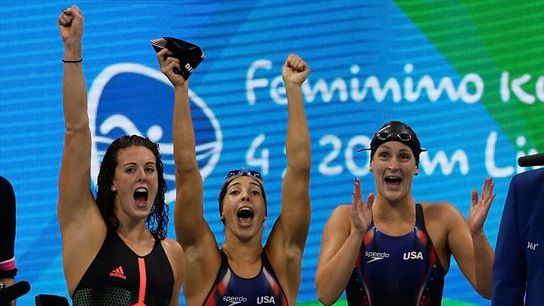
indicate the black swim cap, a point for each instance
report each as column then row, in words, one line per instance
column 396, row 131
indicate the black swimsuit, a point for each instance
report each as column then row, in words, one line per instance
column 118, row 276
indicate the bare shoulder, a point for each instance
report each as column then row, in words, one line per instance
column 172, row 248
column 441, row 216
column 341, row 212
column 440, row 219
column 339, row 220
column 440, row 211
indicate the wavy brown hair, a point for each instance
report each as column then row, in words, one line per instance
column 157, row 220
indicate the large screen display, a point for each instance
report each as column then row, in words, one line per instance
column 468, row 76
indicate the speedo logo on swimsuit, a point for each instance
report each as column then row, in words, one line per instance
column 234, row 300
column 118, row 272
column 375, row 256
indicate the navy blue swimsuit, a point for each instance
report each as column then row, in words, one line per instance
column 230, row 289
column 397, row 270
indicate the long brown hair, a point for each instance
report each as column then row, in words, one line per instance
column 157, row 220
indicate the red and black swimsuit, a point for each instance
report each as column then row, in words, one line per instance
column 118, row 276
column 397, row 270
column 231, row 289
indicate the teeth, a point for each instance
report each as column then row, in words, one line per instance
column 141, row 189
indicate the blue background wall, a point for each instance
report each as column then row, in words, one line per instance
column 355, row 50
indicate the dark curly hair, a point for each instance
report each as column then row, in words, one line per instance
column 157, row 220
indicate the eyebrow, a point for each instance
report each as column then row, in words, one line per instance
column 135, row 163
column 238, row 183
column 387, row 148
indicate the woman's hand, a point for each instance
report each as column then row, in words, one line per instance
column 294, row 70
column 361, row 212
column 170, row 66
column 480, row 207
column 70, row 23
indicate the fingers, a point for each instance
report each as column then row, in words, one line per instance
column 76, row 10
column 491, row 199
column 170, row 66
column 487, row 192
column 65, row 18
column 163, row 55
column 487, row 196
column 357, row 199
column 68, row 15
column 167, row 61
column 474, row 197
column 357, row 188
column 295, row 62
column 370, row 201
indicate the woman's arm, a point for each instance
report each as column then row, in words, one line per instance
column 201, row 255
column 174, row 252
column 294, row 219
column 188, row 211
column 468, row 242
column 82, row 227
column 74, row 179
column 483, row 251
column 340, row 245
column 285, row 245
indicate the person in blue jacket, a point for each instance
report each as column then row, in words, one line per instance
column 518, row 269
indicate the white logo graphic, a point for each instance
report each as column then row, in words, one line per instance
column 210, row 150
column 532, row 245
column 266, row 299
column 375, row 256
column 412, row 255
column 234, row 300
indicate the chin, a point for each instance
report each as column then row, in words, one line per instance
column 246, row 233
column 396, row 198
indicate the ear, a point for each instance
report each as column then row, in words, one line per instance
column 416, row 172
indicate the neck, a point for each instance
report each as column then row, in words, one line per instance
column 394, row 218
column 134, row 233
column 140, row 241
column 243, row 251
column 245, row 259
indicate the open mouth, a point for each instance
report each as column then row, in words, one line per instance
column 393, row 180
column 245, row 216
column 141, row 195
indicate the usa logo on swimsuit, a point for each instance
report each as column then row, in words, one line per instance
column 129, row 98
